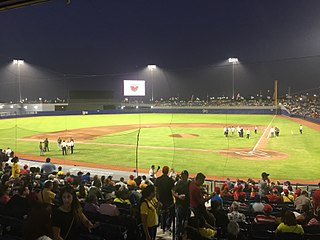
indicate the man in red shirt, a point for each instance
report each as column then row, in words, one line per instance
column 198, row 199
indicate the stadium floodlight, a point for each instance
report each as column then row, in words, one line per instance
column 152, row 68
column 233, row 61
column 19, row 62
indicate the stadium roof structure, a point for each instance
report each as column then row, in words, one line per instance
column 11, row 4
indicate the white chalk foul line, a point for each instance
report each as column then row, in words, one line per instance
column 262, row 136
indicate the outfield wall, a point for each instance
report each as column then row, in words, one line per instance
column 178, row 110
column 187, row 110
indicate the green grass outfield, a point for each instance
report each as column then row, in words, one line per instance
column 303, row 151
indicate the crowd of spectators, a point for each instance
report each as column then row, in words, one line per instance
column 304, row 106
column 47, row 203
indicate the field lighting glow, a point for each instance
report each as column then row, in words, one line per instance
column 152, row 67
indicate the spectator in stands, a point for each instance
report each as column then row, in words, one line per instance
column 134, row 196
column 68, row 219
column 266, row 217
column 301, row 200
column 237, row 191
column 6, row 179
column 86, row 177
column 315, row 220
column 289, row 224
column 48, row 167
column 121, row 184
column 7, row 168
column 46, row 195
column 274, row 197
column 264, row 185
column 82, row 192
column 181, row 194
column 148, row 212
column 4, row 194
column 278, row 187
column 234, row 214
column 122, row 197
column 287, row 197
column 93, row 190
column 254, row 192
column 107, row 207
column 15, row 168
column 19, row 205
column 92, row 205
column 297, row 193
column 173, row 174
column 198, row 199
column 60, row 172
column 38, row 223
column 316, row 198
column 24, row 170
column 287, row 185
column 144, row 179
column 219, row 214
column 8, row 151
column 233, row 230
column 96, row 181
column 306, row 215
column 144, row 184
column 138, row 180
column 153, row 173
column 225, row 194
column 229, row 184
column 3, row 158
column 131, row 181
column 164, row 185
column 217, row 196
column 257, row 206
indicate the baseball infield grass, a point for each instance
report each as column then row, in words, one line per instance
column 199, row 153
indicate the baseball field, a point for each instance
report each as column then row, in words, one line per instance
column 183, row 141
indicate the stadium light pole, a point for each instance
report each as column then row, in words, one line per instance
column 151, row 69
column 233, row 61
column 19, row 62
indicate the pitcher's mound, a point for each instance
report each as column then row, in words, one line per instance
column 184, row 135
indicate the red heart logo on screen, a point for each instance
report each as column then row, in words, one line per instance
column 134, row 88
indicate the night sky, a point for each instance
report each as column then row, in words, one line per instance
column 95, row 44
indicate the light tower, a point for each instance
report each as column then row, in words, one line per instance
column 152, row 68
column 233, row 61
column 19, row 62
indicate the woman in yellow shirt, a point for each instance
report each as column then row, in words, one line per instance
column 15, row 168
column 289, row 224
column 148, row 211
column 287, row 197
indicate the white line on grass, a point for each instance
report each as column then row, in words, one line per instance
column 265, row 131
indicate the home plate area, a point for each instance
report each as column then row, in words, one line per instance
column 256, row 153
column 249, row 154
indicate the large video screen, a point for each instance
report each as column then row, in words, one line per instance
column 134, row 88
